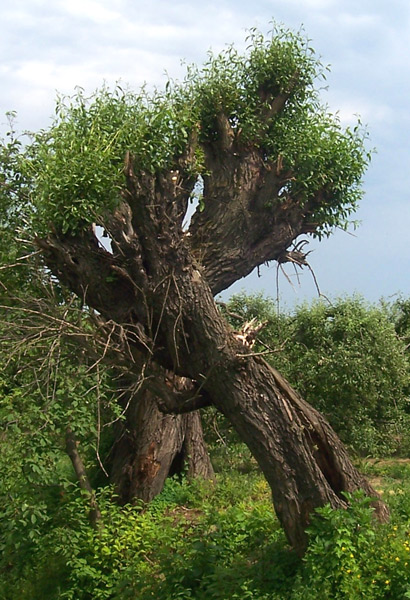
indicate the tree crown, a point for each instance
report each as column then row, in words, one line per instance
column 263, row 99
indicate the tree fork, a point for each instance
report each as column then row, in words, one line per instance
column 297, row 451
column 149, row 446
column 303, row 460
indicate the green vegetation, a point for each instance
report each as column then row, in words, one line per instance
column 246, row 118
column 219, row 540
column 275, row 164
column 348, row 359
column 72, row 174
column 212, row 541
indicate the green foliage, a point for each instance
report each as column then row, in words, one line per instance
column 398, row 311
column 215, row 541
column 325, row 157
column 12, row 182
column 346, row 360
column 241, row 85
column 77, row 165
column 15, row 212
column 73, row 171
column 45, row 386
column 166, row 550
column 35, row 469
column 350, row 557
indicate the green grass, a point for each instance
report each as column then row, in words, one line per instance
column 220, row 541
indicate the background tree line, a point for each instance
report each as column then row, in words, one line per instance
column 349, row 358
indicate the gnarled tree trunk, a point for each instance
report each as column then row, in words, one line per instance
column 304, row 462
column 150, row 446
column 162, row 301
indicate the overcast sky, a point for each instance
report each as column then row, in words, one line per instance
column 50, row 46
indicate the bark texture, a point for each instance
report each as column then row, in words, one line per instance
column 151, row 445
column 159, row 282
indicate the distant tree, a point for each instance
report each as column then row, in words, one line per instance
column 346, row 359
column 399, row 313
column 274, row 165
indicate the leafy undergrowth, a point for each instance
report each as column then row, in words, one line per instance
column 219, row 541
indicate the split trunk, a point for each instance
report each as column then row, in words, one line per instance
column 150, row 446
column 158, row 284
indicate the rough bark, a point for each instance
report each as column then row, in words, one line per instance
column 194, row 450
column 149, row 446
column 304, row 462
column 165, row 281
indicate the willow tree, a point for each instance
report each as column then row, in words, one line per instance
column 248, row 135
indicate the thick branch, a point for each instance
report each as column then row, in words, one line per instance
column 278, row 103
column 249, row 217
column 244, row 222
column 226, row 133
column 91, row 272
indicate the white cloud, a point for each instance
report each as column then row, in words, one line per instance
column 316, row 5
column 367, row 111
column 93, row 10
column 48, row 46
column 358, row 21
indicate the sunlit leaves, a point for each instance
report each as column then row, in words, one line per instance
column 77, row 165
column 242, row 85
column 327, row 163
column 270, row 97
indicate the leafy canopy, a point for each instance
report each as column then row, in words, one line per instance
column 74, row 170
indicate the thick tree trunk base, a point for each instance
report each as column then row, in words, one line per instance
column 151, row 446
column 303, row 460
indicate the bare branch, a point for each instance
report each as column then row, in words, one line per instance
column 248, row 332
column 81, row 473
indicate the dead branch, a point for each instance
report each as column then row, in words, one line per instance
column 82, row 477
column 178, row 395
column 249, row 331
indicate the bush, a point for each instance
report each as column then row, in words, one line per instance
column 220, row 541
column 350, row 557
